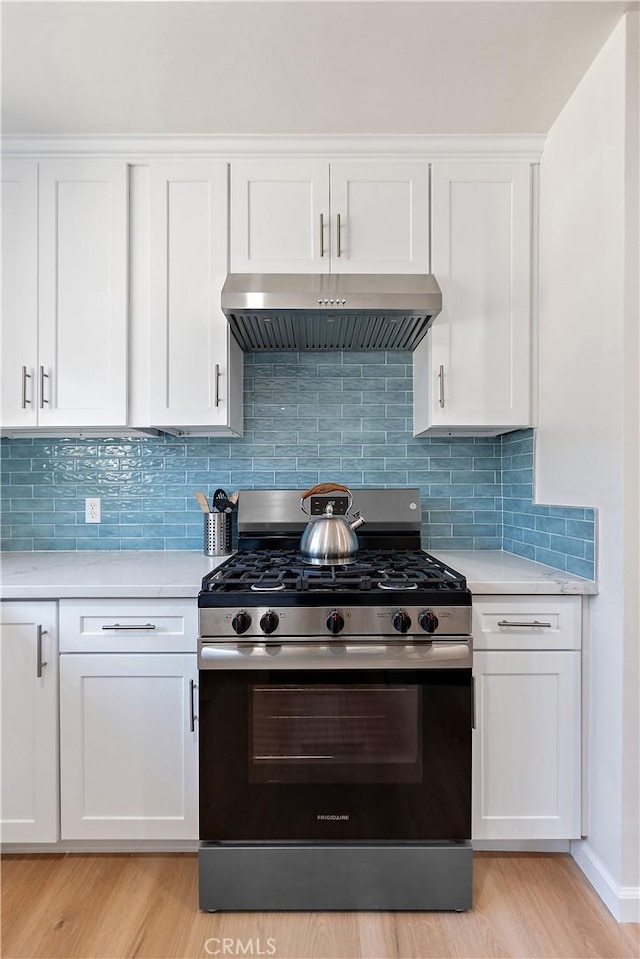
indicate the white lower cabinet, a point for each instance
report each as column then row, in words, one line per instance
column 29, row 688
column 128, row 719
column 128, row 756
column 526, row 748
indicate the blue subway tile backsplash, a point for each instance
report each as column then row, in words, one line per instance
column 309, row 418
column 559, row 536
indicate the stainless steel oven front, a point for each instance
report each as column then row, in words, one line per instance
column 315, row 741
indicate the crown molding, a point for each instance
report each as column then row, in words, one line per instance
column 527, row 146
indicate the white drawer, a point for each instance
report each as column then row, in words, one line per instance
column 527, row 622
column 128, row 626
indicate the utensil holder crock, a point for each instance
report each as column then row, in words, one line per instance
column 217, row 534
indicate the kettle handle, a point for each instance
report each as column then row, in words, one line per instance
column 324, row 488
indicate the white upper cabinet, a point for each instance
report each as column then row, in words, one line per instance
column 82, row 360
column 64, row 299
column 195, row 364
column 472, row 370
column 380, row 217
column 280, row 217
column 314, row 217
column 19, row 292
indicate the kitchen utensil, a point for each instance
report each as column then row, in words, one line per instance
column 204, row 502
column 221, row 501
column 329, row 540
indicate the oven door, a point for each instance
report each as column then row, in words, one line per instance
column 353, row 752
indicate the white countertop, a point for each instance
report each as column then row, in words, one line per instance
column 493, row 571
column 178, row 573
column 102, row 573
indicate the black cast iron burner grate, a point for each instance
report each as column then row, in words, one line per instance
column 277, row 571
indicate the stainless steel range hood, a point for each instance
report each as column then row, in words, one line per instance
column 330, row 311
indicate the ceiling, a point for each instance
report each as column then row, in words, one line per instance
column 295, row 67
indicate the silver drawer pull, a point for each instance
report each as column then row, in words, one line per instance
column 131, row 626
column 503, row 622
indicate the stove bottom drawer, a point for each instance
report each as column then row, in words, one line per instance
column 333, row 877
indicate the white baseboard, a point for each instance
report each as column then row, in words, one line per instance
column 623, row 902
column 98, row 846
column 520, row 845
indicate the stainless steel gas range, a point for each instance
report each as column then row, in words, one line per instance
column 336, row 709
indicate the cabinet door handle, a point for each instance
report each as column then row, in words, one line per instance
column 473, row 702
column 192, row 706
column 339, row 241
column 503, row 622
column 43, row 376
column 216, row 393
column 40, row 662
column 322, row 234
column 25, row 376
column 131, row 626
column 441, row 379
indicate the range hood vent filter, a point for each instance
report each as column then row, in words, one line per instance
column 330, row 311
column 257, row 332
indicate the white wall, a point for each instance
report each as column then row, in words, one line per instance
column 587, row 448
column 300, row 68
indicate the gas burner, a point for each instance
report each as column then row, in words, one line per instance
column 263, row 588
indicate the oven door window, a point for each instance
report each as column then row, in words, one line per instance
column 327, row 733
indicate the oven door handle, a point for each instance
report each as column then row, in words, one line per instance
column 322, row 654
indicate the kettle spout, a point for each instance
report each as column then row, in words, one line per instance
column 357, row 522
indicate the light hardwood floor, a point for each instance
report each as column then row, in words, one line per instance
column 108, row 906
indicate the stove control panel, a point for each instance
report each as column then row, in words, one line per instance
column 321, row 621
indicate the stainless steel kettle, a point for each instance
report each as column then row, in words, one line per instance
column 329, row 540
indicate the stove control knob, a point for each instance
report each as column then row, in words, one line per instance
column 269, row 622
column 401, row 621
column 335, row 622
column 428, row 620
column 241, row 622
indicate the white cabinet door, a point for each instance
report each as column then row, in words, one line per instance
column 128, row 746
column 380, row 217
column 526, row 747
column 280, row 217
column 472, row 372
column 83, row 251
column 19, row 293
column 29, row 683
column 196, row 365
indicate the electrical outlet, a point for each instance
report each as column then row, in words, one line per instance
column 92, row 509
